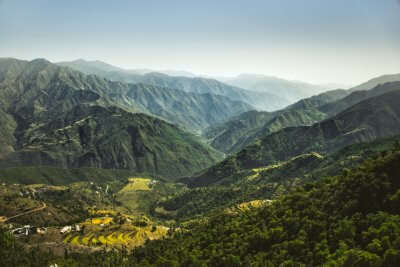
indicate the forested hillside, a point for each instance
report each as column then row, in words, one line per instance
column 348, row 220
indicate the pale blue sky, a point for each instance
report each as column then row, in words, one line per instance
column 342, row 41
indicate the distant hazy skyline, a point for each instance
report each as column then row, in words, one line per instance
column 318, row 41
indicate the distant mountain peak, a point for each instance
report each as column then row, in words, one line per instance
column 40, row 61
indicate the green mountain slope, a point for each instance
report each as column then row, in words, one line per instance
column 320, row 99
column 60, row 176
column 60, row 117
column 228, row 135
column 94, row 136
column 242, row 130
column 374, row 118
column 355, row 97
column 304, row 112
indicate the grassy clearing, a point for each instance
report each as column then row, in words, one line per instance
column 253, row 204
column 136, row 184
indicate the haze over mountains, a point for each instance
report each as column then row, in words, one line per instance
column 200, row 133
column 290, row 90
column 151, row 154
column 263, row 92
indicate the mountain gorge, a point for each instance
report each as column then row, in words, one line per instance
column 189, row 110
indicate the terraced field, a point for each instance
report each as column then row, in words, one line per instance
column 245, row 206
column 254, row 204
column 98, row 221
column 133, row 237
column 102, row 212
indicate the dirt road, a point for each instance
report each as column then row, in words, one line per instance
column 5, row 219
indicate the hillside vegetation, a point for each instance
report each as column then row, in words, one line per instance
column 266, row 182
column 348, row 220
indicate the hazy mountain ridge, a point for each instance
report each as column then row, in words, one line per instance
column 97, row 67
column 376, row 81
column 199, row 85
column 193, row 111
column 290, row 90
column 355, row 97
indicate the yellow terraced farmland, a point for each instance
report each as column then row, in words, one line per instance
column 101, row 220
column 75, row 240
column 85, row 240
column 118, row 238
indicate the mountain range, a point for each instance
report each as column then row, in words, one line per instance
column 290, row 90
column 232, row 136
column 57, row 116
column 199, row 85
column 373, row 118
column 133, row 162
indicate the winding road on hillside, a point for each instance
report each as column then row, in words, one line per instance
column 5, row 219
